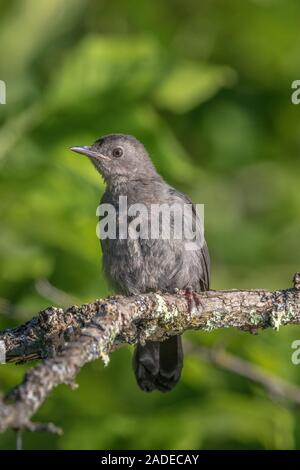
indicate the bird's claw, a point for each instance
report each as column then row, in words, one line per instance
column 192, row 300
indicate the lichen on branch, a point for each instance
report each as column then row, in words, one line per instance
column 67, row 339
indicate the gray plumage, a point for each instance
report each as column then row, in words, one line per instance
column 143, row 265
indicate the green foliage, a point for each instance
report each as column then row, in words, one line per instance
column 206, row 87
column 204, row 80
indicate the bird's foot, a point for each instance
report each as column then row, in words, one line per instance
column 192, row 300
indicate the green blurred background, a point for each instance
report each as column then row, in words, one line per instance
column 206, row 86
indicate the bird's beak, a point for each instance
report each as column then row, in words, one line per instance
column 88, row 152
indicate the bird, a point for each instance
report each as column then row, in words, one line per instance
column 135, row 265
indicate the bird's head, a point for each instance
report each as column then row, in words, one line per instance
column 119, row 156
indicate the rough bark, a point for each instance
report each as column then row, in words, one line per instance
column 68, row 339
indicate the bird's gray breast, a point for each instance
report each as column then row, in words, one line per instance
column 144, row 263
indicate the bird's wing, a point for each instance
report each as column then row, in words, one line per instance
column 203, row 252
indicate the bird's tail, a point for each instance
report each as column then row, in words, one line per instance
column 158, row 365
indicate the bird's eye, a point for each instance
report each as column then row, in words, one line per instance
column 117, row 152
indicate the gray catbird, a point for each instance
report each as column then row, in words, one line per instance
column 143, row 264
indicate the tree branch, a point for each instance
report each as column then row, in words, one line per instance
column 68, row 339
